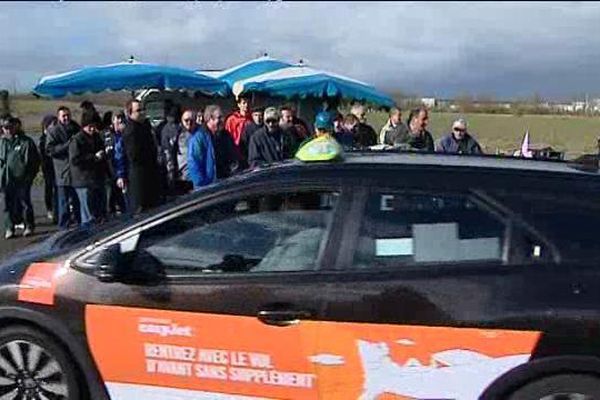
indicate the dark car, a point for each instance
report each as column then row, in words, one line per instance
column 402, row 275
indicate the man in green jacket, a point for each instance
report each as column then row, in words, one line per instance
column 19, row 164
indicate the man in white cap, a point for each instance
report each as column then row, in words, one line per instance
column 458, row 141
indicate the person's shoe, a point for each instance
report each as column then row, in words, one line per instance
column 50, row 216
column 9, row 234
column 20, row 226
column 28, row 232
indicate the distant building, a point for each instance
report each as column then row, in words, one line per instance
column 563, row 107
column 579, row 106
column 428, row 102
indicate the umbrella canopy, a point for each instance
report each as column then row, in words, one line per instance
column 249, row 69
column 127, row 76
column 301, row 81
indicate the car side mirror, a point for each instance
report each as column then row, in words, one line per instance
column 109, row 267
column 132, row 267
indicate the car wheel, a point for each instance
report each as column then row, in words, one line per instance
column 34, row 366
column 560, row 387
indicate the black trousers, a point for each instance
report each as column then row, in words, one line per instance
column 18, row 207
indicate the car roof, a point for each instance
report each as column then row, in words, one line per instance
column 463, row 161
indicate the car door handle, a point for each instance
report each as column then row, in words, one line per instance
column 282, row 317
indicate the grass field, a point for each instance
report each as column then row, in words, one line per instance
column 573, row 134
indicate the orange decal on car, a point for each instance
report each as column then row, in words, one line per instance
column 210, row 353
column 39, row 283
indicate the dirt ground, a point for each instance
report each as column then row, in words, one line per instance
column 43, row 226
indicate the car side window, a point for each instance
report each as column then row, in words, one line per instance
column 404, row 228
column 569, row 220
column 267, row 233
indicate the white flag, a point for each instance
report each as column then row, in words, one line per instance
column 525, row 152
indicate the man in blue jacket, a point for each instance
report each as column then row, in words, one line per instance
column 458, row 141
column 201, row 166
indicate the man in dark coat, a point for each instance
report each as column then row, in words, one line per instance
column 89, row 169
column 144, row 187
column 227, row 159
column 458, row 141
column 57, row 147
column 417, row 137
column 365, row 135
column 173, row 151
column 249, row 130
column 270, row 143
column 50, row 197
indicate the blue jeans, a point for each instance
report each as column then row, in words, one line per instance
column 66, row 194
column 92, row 203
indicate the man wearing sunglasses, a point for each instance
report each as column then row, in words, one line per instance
column 458, row 141
column 270, row 143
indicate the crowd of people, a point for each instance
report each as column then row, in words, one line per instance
column 120, row 164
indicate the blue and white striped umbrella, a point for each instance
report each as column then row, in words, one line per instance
column 127, row 76
column 249, row 69
column 302, row 82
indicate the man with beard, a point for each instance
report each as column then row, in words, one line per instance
column 271, row 144
column 57, row 147
column 144, row 184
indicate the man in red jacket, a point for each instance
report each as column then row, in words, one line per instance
column 236, row 121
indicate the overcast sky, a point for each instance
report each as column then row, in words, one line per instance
column 505, row 49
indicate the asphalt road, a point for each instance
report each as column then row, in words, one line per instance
column 43, row 226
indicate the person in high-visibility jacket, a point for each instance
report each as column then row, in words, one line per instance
column 322, row 146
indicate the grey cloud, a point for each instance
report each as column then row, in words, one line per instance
column 505, row 49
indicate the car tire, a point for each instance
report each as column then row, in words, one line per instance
column 560, row 387
column 32, row 362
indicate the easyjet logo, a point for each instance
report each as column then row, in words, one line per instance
column 165, row 330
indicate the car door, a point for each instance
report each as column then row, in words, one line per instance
column 421, row 284
column 236, row 312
